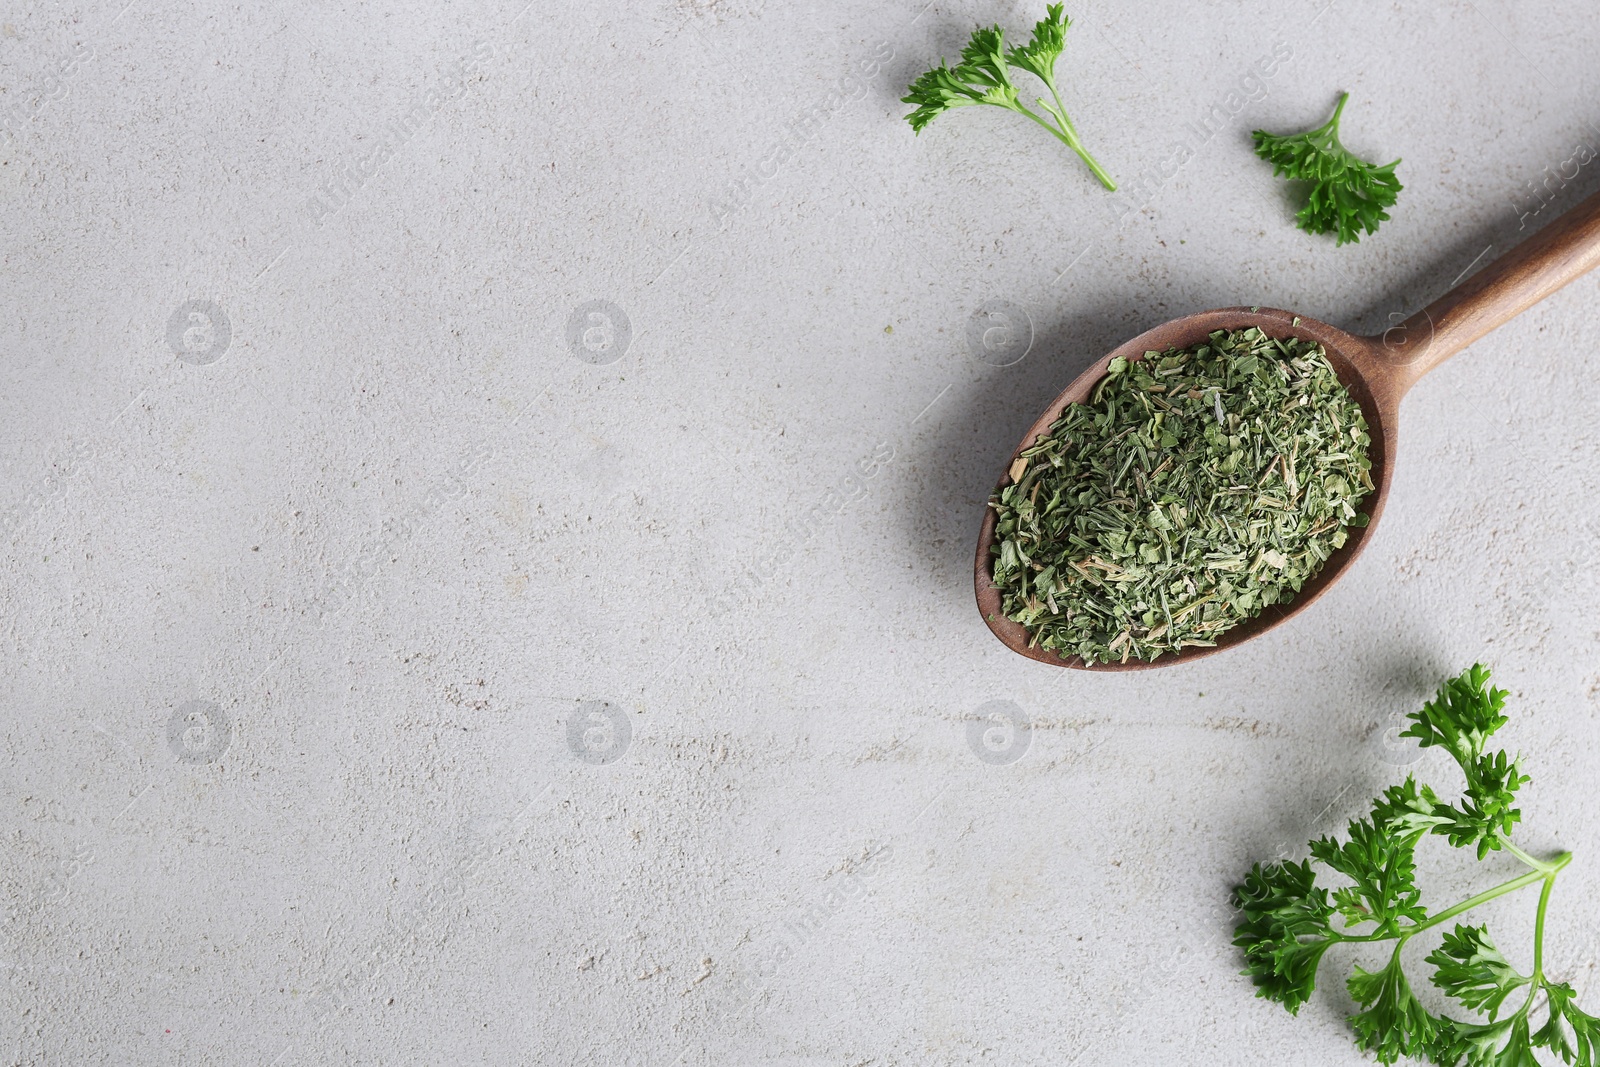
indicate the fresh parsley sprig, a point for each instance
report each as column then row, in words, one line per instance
column 983, row 77
column 1348, row 194
column 1289, row 920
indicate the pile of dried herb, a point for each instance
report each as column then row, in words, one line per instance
column 1194, row 489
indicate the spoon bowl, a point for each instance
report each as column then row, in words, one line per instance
column 1378, row 372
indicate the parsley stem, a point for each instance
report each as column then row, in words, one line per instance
column 1545, row 872
column 1551, row 866
column 1067, row 133
column 1077, row 145
column 1338, row 110
column 1538, row 925
column 1472, row 902
column 1407, row 932
column 1072, row 143
column 1537, row 980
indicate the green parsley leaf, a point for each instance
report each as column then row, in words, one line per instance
column 1486, row 807
column 1462, row 716
column 983, row 77
column 942, row 88
column 1348, row 194
column 1378, row 858
column 1496, row 1044
column 1410, row 809
column 1461, row 719
column 1570, row 1032
column 1287, row 928
column 1394, row 1023
column 983, row 64
column 1038, row 57
column 1473, row 971
column 1288, row 925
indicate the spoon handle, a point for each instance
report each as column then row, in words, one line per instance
column 1561, row 252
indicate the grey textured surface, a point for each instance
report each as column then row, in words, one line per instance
column 608, row 702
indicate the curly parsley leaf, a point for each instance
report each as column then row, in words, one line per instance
column 1378, row 858
column 1038, row 57
column 1288, row 926
column 1487, row 807
column 1472, row 970
column 1348, row 194
column 1462, row 716
column 1461, row 719
column 944, row 88
column 1394, row 1023
column 1410, row 809
column 983, row 77
column 1570, row 1032
column 1288, row 923
column 1494, row 1044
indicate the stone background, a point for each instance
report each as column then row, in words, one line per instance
column 488, row 500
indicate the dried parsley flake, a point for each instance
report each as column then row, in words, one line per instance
column 1196, row 488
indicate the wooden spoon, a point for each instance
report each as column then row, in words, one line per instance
column 1378, row 371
